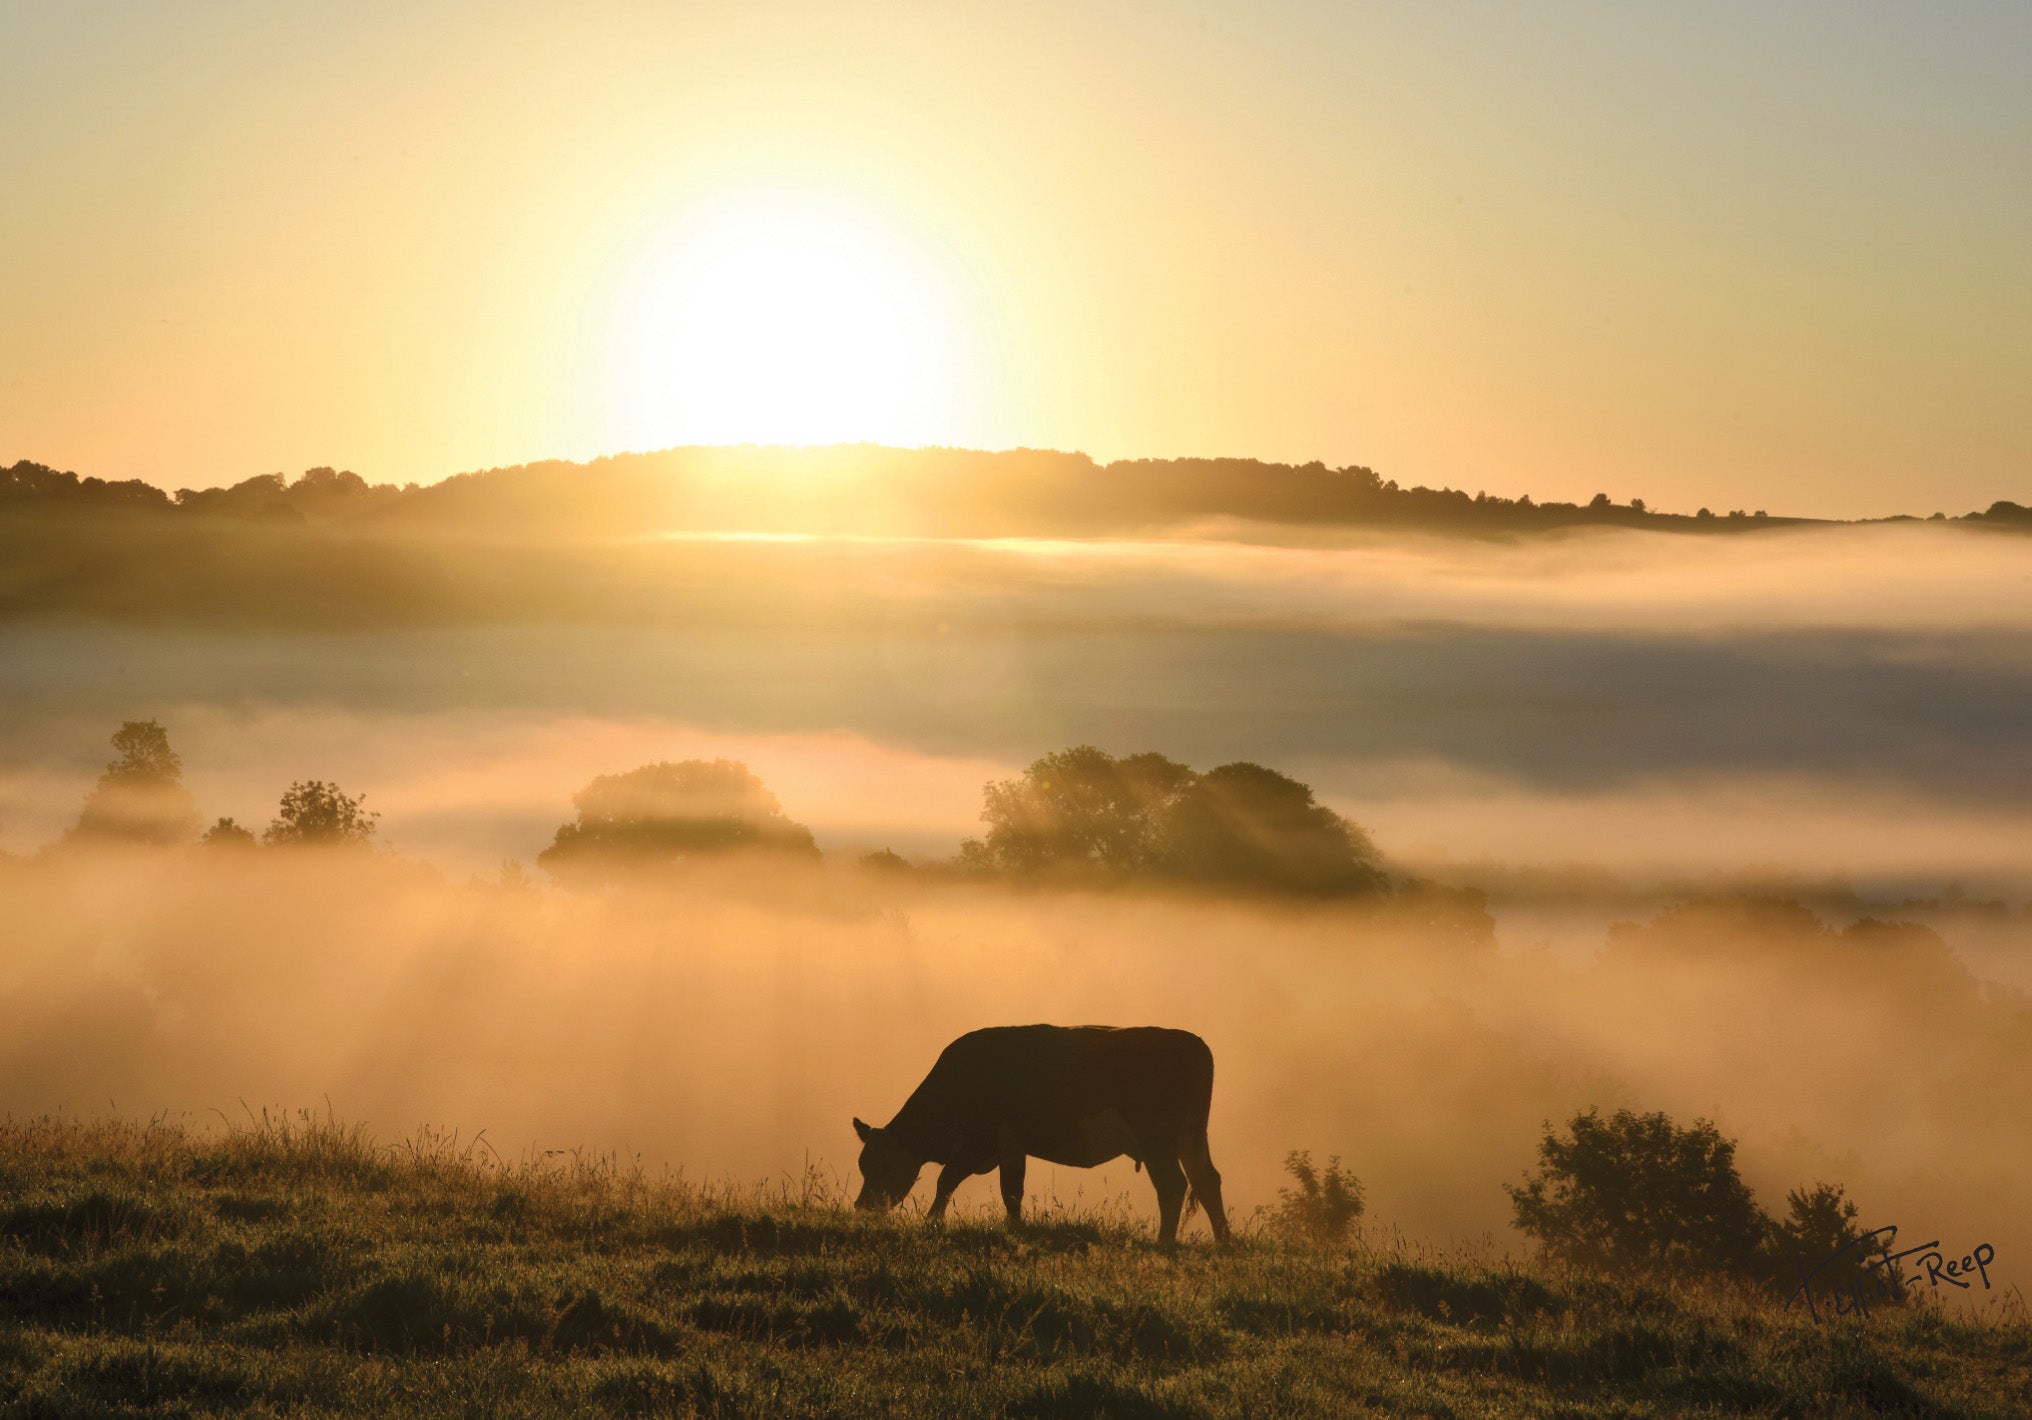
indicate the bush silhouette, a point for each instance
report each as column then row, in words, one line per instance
column 1323, row 1206
column 1819, row 1231
column 665, row 814
column 140, row 798
column 1636, row 1192
column 314, row 813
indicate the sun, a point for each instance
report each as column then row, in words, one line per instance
column 782, row 319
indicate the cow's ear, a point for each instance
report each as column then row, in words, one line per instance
column 863, row 1129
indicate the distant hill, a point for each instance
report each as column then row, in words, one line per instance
column 872, row 490
column 688, row 535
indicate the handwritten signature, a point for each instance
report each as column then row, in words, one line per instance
column 1876, row 1277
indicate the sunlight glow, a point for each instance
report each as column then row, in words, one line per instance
column 782, row 319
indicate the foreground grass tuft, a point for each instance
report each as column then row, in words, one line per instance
column 296, row 1266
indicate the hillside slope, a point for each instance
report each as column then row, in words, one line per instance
column 299, row 1268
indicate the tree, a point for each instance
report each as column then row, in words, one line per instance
column 1635, row 1191
column 1242, row 825
column 140, row 798
column 664, row 813
column 1083, row 812
column 227, row 834
column 1082, row 809
column 316, row 814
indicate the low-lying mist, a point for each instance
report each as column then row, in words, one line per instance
column 731, row 1023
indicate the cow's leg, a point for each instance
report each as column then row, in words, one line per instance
column 1170, row 1181
column 949, row 1178
column 1205, row 1180
column 1012, row 1187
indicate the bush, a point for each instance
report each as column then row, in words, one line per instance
column 1635, row 1191
column 1819, row 1236
column 1323, row 1207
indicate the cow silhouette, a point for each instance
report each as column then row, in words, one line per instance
column 1073, row 1095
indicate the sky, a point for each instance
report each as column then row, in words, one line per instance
column 1734, row 255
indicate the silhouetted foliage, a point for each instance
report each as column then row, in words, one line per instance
column 885, row 860
column 1323, row 1206
column 227, row 834
column 145, row 755
column 1241, row 825
column 940, row 491
column 1083, row 812
column 1635, row 1191
column 140, row 798
column 316, row 814
column 1819, row 1231
column 2004, row 513
column 664, row 814
column 331, row 549
column 1082, row 808
column 317, row 494
column 38, row 485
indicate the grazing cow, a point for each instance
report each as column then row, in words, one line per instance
column 1074, row 1095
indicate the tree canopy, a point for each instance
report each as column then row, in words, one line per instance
column 1083, row 812
column 316, row 814
column 140, row 798
column 1241, row 825
column 668, row 813
column 1082, row 808
column 226, row 833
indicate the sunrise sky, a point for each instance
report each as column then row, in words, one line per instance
column 1731, row 254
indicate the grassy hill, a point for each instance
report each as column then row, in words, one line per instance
column 299, row 1268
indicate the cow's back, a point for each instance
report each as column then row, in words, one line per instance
column 1044, row 1074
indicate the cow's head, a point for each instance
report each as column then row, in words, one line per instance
column 888, row 1170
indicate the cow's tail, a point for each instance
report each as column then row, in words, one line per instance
column 1198, row 1138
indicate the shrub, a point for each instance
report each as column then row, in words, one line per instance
column 1636, row 1191
column 1819, row 1236
column 1322, row 1208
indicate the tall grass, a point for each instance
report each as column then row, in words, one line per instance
column 292, row 1264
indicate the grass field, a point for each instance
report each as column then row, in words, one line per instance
column 297, row 1267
